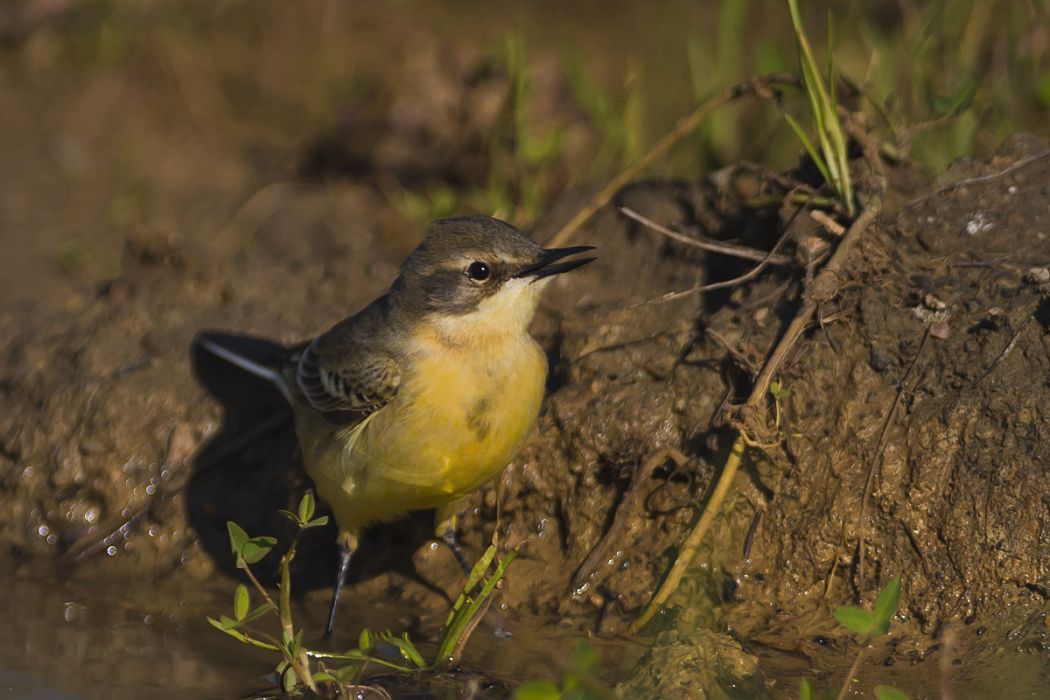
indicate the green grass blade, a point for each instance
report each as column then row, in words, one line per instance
column 824, row 105
column 817, row 159
column 467, row 607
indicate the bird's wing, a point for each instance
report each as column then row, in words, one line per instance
column 346, row 382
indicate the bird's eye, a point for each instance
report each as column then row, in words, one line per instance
column 479, row 271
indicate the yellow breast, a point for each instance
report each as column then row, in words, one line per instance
column 460, row 415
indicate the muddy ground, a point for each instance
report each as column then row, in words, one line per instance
column 914, row 433
column 929, row 369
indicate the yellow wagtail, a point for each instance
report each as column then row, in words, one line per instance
column 426, row 393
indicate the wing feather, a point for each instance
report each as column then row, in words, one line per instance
column 349, row 384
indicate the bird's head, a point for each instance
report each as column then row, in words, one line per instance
column 475, row 275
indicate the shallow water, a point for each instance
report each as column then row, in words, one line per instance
column 118, row 641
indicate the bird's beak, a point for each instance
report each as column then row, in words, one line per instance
column 548, row 264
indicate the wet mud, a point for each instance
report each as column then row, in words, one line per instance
column 912, row 436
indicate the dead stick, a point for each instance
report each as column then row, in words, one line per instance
column 699, row 289
column 980, row 178
column 825, row 280
column 685, row 126
column 720, row 247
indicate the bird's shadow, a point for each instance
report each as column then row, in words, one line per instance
column 250, row 469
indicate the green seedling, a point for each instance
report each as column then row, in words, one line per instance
column 832, row 157
column 866, row 624
column 578, row 682
column 301, row 670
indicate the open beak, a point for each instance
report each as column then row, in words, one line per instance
column 548, row 263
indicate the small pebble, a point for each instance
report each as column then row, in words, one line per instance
column 934, row 303
column 1039, row 275
column 940, row 330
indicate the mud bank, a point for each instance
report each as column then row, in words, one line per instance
column 913, row 435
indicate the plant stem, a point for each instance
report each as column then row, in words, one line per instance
column 844, row 690
column 301, row 663
column 258, row 586
column 285, row 588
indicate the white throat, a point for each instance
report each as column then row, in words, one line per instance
column 507, row 312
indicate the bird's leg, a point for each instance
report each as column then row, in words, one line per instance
column 347, row 547
column 445, row 521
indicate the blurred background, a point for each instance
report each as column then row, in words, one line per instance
column 182, row 117
column 284, row 156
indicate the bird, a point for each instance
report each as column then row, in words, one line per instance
column 426, row 393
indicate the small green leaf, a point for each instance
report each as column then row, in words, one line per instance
column 306, row 507
column 855, row 620
column 324, row 677
column 408, row 650
column 295, row 645
column 886, row 606
column 584, row 657
column 257, row 613
column 241, row 602
column 364, row 640
column 223, row 625
column 239, row 636
column 237, row 536
column 480, row 568
column 805, row 690
column 291, row 516
column 537, row 690
column 346, row 672
column 256, row 548
column 289, row 680
column 885, row 692
column 226, row 623
column 317, row 522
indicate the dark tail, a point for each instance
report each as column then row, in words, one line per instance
column 258, row 356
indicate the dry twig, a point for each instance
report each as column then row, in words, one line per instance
column 699, row 289
column 730, row 249
column 1027, row 160
column 823, row 288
